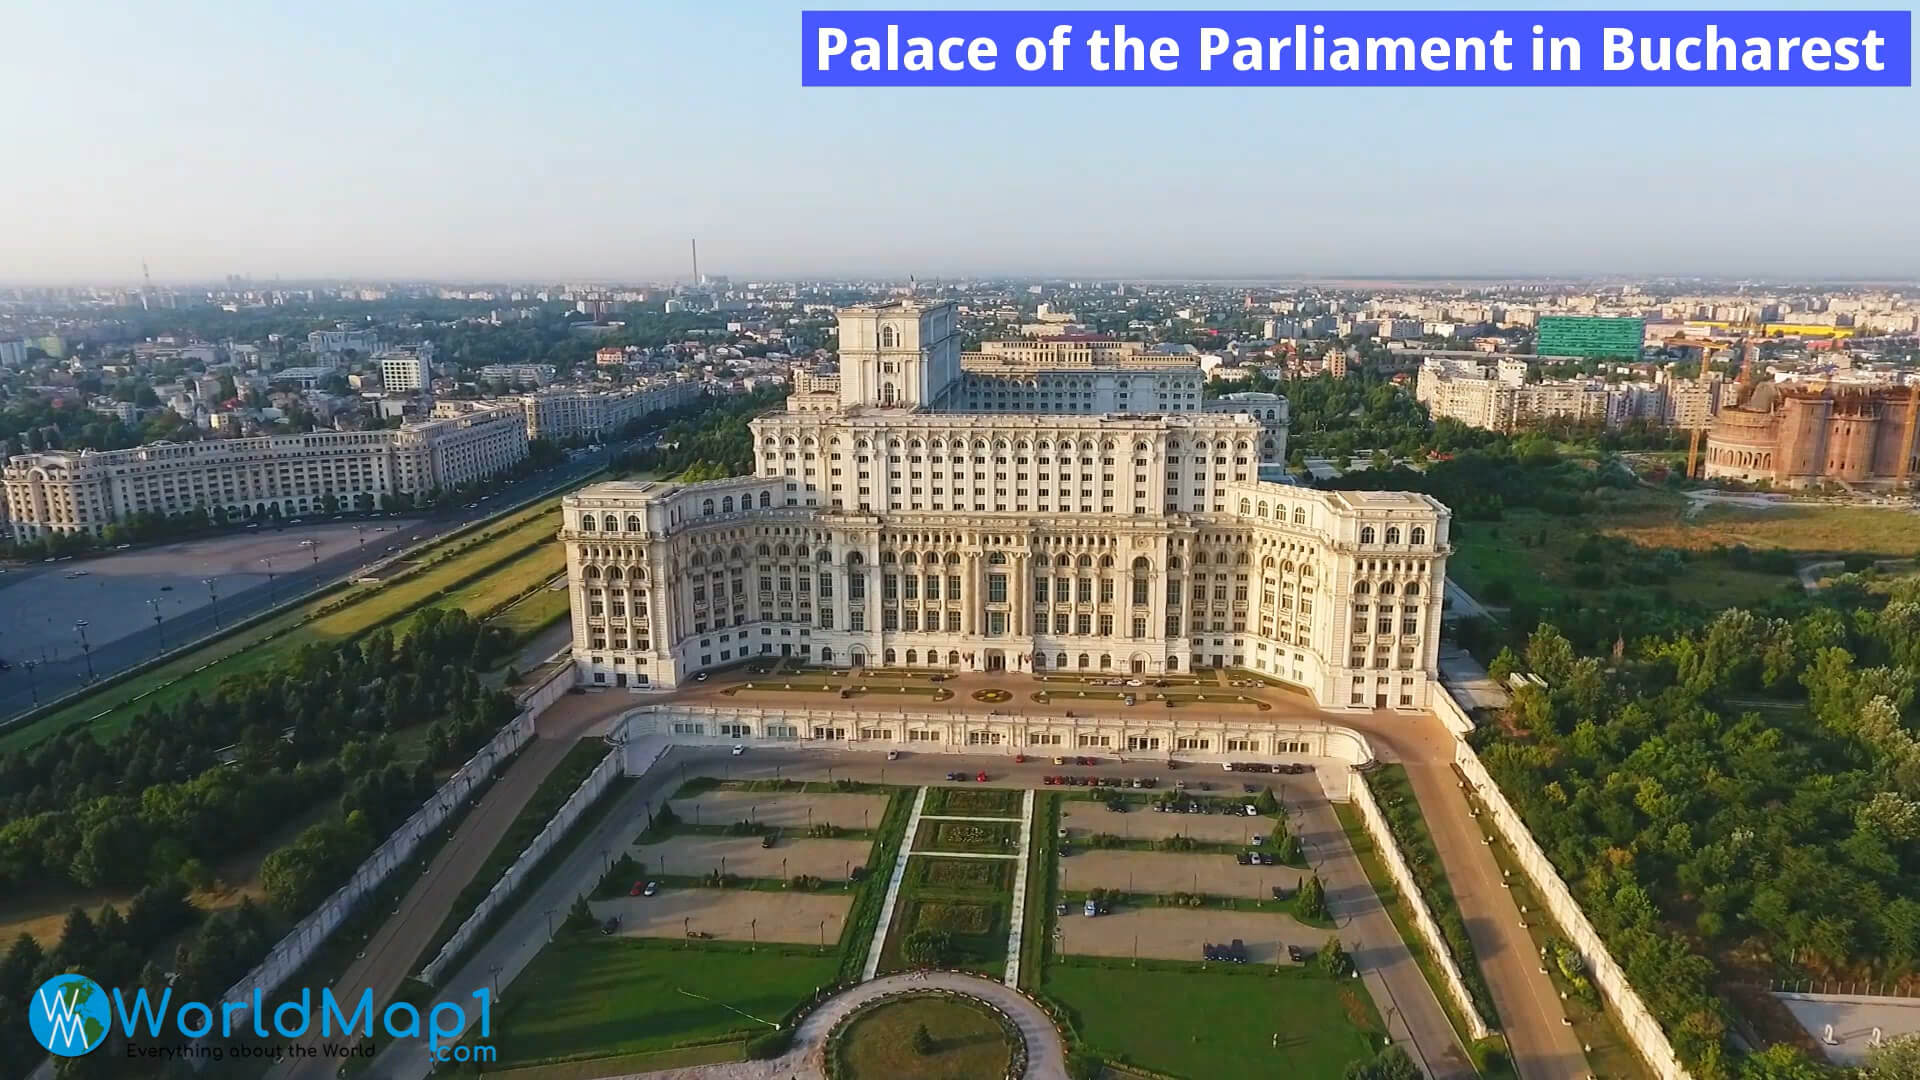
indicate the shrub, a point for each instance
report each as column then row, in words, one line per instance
column 928, row 948
column 1333, row 959
column 1311, row 901
column 922, row 1041
column 1265, row 802
column 1085, row 1065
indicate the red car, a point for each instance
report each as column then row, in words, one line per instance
column 982, row 777
column 1050, row 780
column 1019, row 759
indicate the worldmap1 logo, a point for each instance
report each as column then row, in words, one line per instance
column 70, row 1015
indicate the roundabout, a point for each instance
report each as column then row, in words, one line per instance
column 992, row 696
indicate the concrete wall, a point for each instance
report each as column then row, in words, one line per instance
column 310, row 933
column 1012, row 730
column 1638, row 1023
column 583, row 797
column 1422, row 917
column 1456, row 719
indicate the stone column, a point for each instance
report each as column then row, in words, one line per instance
column 970, row 595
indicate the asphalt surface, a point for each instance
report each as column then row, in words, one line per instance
column 121, row 632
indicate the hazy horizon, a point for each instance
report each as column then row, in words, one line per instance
column 506, row 142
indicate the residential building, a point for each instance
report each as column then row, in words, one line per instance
column 333, row 343
column 407, row 370
column 67, row 492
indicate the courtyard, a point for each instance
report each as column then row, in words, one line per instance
column 693, row 854
column 1165, row 873
column 730, row 915
column 1169, row 933
column 782, row 809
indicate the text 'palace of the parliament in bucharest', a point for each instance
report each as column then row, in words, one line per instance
column 1034, row 507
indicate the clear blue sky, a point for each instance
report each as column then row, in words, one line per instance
column 491, row 140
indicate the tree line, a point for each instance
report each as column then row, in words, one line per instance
column 1732, row 805
column 711, row 444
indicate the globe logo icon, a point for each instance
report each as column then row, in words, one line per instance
column 69, row 1015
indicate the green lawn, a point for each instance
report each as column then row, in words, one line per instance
column 967, row 1042
column 359, row 608
column 1217, row 1024
column 974, row 802
column 591, row 996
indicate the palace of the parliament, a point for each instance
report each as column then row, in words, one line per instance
column 1028, row 508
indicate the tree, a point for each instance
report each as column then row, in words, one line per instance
column 923, row 1041
column 1389, row 1064
column 1310, row 903
column 1332, row 959
column 1265, row 803
column 1897, row 1059
column 1086, row 1065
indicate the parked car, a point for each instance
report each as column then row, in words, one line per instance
column 701, row 677
column 1059, row 760
column 1297, row 954
column 1244, row 858
column 893, row 755
column 982, row 777
column 766, row 841
column 738, row 749
column 956, row 776
column 1019, row 759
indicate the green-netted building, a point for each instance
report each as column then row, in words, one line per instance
column 1589, row 336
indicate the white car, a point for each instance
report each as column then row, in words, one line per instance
column 738, row 749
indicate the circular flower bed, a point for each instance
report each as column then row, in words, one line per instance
column 991, row 696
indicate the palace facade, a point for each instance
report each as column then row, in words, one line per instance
column 899, row 527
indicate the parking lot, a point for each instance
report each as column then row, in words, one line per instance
column 693, row 854
column 1182, row 933
column 1161, row 873
column 786, row 810
column 729, row 914
column 1083, row 818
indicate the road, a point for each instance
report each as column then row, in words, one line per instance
column 1542, row 1045
column 392, row 953
column 58, row 671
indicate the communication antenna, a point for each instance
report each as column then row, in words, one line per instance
column 146, row 284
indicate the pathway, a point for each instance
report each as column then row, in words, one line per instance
column 1414, row 1016
column 1544, row 1047
column 893, row 887
column 1017, row 921
column 393, row 952
column 1046, row 1056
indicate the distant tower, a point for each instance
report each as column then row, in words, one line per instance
column 694, row 244
column 146, row 286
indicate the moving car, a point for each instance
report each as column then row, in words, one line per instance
column 982, row 777
column 893, row 755
column 738, row 749
column 957, row 776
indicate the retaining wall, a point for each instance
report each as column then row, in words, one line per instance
column 1635, row 1019
column 299, row 945
column 1402, row 874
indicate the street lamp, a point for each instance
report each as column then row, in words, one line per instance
column 33, row 687
column 269, row 563
column 81, row 625
column 214, row 600
column 159, row 629
column 313, row 548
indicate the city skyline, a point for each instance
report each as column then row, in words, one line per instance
column 361, row 143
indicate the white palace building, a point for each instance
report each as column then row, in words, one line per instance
column 900, row 526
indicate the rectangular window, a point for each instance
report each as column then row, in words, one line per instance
column 1039, row 590
column 996, row 588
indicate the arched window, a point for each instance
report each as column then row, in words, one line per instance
column 1386, row 588
column 1246, row 507
column 1393, row 534
column 913, row 657
column 613, row 573
column 1173, row 663
column 1419, row 535
column 997, row 559
column 1060, row 661
column 726, row 505
column 766, row 499
column 1084, row 660
column 1413, row 588
column 1299, row 515
column 1039, row 661
column 586, row 522
column 1106, row 660
column 1141, row 565
column 953, row 657
column 1361, row 588
column 591, row 573
column 1366, row 534
column 887, row 393
column 889, row 658
column 609, row 523
column 634, row 524
column 826, row 655
column 706, row 508
column 889, row 338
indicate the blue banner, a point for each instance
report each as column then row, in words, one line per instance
column 1356, row 48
